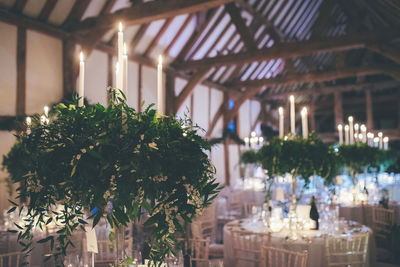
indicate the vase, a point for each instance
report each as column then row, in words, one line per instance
column 120, row 245
column 292, row 216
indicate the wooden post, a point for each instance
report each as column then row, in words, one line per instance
column 226, row 142
column 21, row 71
column 140, row 85
column 312, row 115
column 338, row 108
column 369, row 110
column 69, row 73
column 170, row 95
column 110, row 71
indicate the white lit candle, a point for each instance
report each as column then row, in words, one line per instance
column 360, row 136
column 364, row 132
column 340, row 130
column 260, row 141
column 376, row 141
column 125, row 73
column 81, row 80
column 370, row 138
column 292, row 115
column 46, row 111
column 380, row 135
column 160, row 89
column 356, row 131
column 42, row 120
column 246, row 141
column 346, row 134
column 281, row 118
column 28, row 125
column 120, row 56
column 117, row 81
column 304, row 122
column 351, row 128
column 385, row 142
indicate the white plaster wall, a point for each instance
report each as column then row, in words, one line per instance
column 218, row 160
column 200, row 107
column 185, row 107
column 255, row 108
column 43, row 71
column 133, row 85
column 149, row 86
column 7, row 140
column 234, row 163
column 8, row 69
column 244, row 119
column 96, row 78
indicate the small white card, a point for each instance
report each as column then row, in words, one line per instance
column 91, row 240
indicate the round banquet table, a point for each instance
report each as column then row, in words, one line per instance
column 310, row 240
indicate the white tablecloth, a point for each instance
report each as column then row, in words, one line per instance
column 313, row 242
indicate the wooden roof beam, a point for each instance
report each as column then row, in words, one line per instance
column 147, row 12
column 47, row 9
column 293, row 49
column 387, row 51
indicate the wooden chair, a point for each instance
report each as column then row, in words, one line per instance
column 108, row 253
column 235, row 203
column 199, row 249
column 11, row 259
column 247, row 246
column 279, row 257
column 347, row 250
column 382, row 222
column 206, row 229
column 367, row 215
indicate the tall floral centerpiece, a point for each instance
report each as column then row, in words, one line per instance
column 113, row 160
column 301, row 158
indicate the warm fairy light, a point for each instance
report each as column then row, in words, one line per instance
column 120, row 26
column 304, row 111
column 280, row 110
column 350, row 118
column 81, row 56
column 28, row 121
column 340, row 127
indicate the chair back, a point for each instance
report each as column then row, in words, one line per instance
column 382, row 221
column 279, row 257
column 199, row 251
column 347, row 250
column 11, row 259
column 247, row 246
column 235, row 203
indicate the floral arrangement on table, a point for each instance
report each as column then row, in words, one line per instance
column 115, row 160
column 359, row 157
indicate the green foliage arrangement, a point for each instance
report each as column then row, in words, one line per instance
column 249, row 157
column 359, row 157
column 113, row 159
column 299, row 156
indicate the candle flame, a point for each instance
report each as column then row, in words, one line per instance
column 304, row 111
column 346, row 127
column 360, row 136
column 363, row 128
column 386, row 139
column 81, row 56
column 280, row 110
column 291, row 98
column 120, row 26
column 350, row 118
column 28, row 121
column 160, row 59
column 340, row 127
column 376, row 139
column 380, row 134
column 356, row 126
column 46, row 109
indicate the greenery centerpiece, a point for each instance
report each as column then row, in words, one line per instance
column 114, row 160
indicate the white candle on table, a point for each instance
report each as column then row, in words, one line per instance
column 28, row 125
column 160, row 88
column 346, row 134
column 292, row 115
column 360, row 136
column 81, row 93
column 46, row 111
column 246, row 142
column 363, row 129
column 385, row 142
column 376, row 141
column 280, row 111
column 380, row 135
column 125, row 73
column 340, row 130
column 370, row 138
column 120, row 55
column 351, row 133
column 356, row 131
column 304, row 122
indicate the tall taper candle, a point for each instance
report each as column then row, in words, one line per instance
column 28, row 125
column 281, row 117
column 46, row 111
column 292, row 115
column 340, row 130
column 364, row 132
column 346, row 134
column 120, row 55
column 81, row 93
column 351, row 132
column 160, row 88
column 380, row 135
column 385, row 142
column 356, row 131
column 304, row 122
column 117, row 81
column 125, row 73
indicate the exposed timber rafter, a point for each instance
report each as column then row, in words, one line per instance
column 387, row 51
column 294, row 49
column 147, row 12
